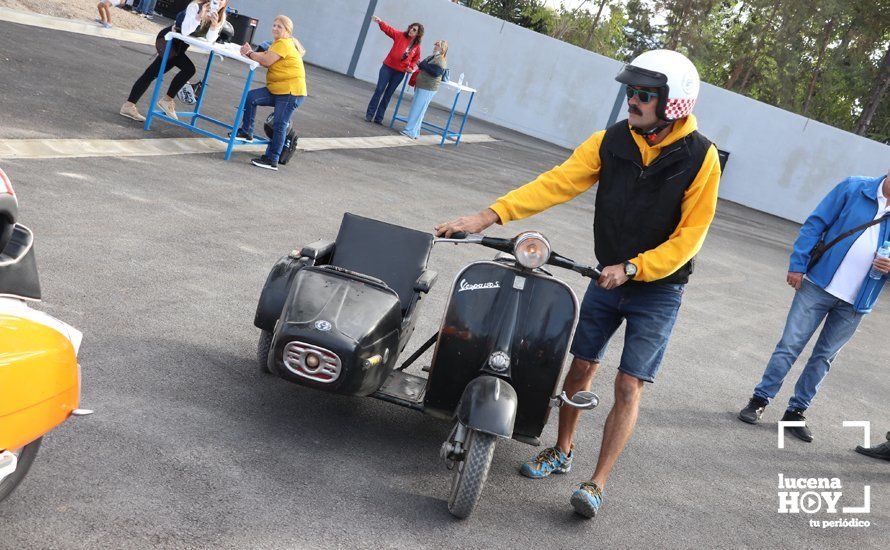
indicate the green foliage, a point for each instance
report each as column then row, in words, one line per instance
column 825, row 59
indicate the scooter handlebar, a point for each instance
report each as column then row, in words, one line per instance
column 506, row 245
column 566, row 263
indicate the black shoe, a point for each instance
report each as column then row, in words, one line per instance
column 378, row 122
column 752, row 413
column 265, row 162
column 881, row 451
column 803, row 433
column 243, row 136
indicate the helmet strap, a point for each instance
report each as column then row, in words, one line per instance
column 651, row 134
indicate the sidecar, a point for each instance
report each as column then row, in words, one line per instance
column 336, row 315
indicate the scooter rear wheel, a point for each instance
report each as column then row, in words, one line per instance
column 262, row 350
column 26, row 456
column 470, row 473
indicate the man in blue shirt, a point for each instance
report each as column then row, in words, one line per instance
column 836, row 289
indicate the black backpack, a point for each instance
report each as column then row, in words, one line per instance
column 290, row 139
column 290, row 145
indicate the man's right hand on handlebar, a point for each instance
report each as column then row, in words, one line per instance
column 476, row 223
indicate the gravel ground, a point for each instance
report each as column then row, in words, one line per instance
column 84, row 10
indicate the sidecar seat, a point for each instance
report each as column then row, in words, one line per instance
column 396, row 255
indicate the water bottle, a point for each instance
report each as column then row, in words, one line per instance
column 883, row 252
column 460, row 79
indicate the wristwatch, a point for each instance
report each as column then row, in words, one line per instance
column 630, row 270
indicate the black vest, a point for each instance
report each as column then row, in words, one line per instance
column 638, row 208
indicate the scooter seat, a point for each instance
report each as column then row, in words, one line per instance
column 396, row 255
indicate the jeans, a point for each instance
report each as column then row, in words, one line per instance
column 387, row 82
column 810, row 306
column 650, row 311
column 419, row 105
column 146, row 6
column 285, row 105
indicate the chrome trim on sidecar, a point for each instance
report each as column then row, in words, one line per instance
column 329, row 366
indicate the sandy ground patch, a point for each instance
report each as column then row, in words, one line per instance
column 85, row 10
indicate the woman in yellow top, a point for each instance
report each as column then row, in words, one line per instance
column 285, row 88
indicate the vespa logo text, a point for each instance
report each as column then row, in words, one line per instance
column 813, row 495
column 464, row 285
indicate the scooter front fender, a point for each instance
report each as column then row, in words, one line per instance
column 488, row 405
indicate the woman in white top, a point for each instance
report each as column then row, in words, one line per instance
column 196, row 21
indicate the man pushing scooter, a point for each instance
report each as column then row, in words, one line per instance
column 657, row 194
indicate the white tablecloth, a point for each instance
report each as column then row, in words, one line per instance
column 230, row 50
column 459, row 87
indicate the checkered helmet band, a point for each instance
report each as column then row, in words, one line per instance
column 678, row 108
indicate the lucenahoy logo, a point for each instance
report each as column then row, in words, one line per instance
column 464, row 285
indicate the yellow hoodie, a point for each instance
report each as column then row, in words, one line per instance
column 581, row 171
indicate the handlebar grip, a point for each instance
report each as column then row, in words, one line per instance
column 592, row 272
column 460, row 235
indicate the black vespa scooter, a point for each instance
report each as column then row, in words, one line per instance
column 336, row 316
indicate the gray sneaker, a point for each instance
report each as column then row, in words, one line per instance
column 549, row 461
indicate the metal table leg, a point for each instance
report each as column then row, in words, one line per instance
column 203, row 88
column 460, row 132
column 158, row 84
column 450, row 118
column 239, row 114
column 399, row 101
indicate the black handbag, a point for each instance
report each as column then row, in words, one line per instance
column 820, row 248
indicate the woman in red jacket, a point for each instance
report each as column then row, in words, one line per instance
column 402, row 58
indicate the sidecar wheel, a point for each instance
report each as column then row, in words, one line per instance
column 262, row 350
column 26, row 456
column 470, row 474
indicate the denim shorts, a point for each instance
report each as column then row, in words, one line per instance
column 650, row 311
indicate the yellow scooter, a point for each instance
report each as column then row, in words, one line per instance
column 39, row 373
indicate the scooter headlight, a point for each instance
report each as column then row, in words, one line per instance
column 531, row 250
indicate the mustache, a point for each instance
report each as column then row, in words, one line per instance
column 634, row 109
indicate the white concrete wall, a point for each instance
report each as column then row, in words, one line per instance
column 327, row 28
column 780, row 163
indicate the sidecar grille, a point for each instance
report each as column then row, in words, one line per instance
column 295, row 356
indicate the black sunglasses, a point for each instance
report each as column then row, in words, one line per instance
column 645, row 96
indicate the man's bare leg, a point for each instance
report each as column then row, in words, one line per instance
column 619, row 425
column 579, row 378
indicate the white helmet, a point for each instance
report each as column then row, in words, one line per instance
column 672, row 73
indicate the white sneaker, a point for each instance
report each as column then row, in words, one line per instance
column 130, row 111
column 168, row 106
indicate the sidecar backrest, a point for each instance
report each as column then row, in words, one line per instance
column 394, row 254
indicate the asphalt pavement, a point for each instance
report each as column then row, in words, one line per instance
column 160, row 260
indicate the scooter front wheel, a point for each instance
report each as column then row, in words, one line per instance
column 25, row 457
column 470, row 473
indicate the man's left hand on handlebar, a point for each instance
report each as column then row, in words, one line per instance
column 613, row 276
column 468, row 224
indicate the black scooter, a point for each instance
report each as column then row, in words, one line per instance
column 336, row 316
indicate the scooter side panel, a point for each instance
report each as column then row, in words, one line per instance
column 39, row 380
column 474, row 316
